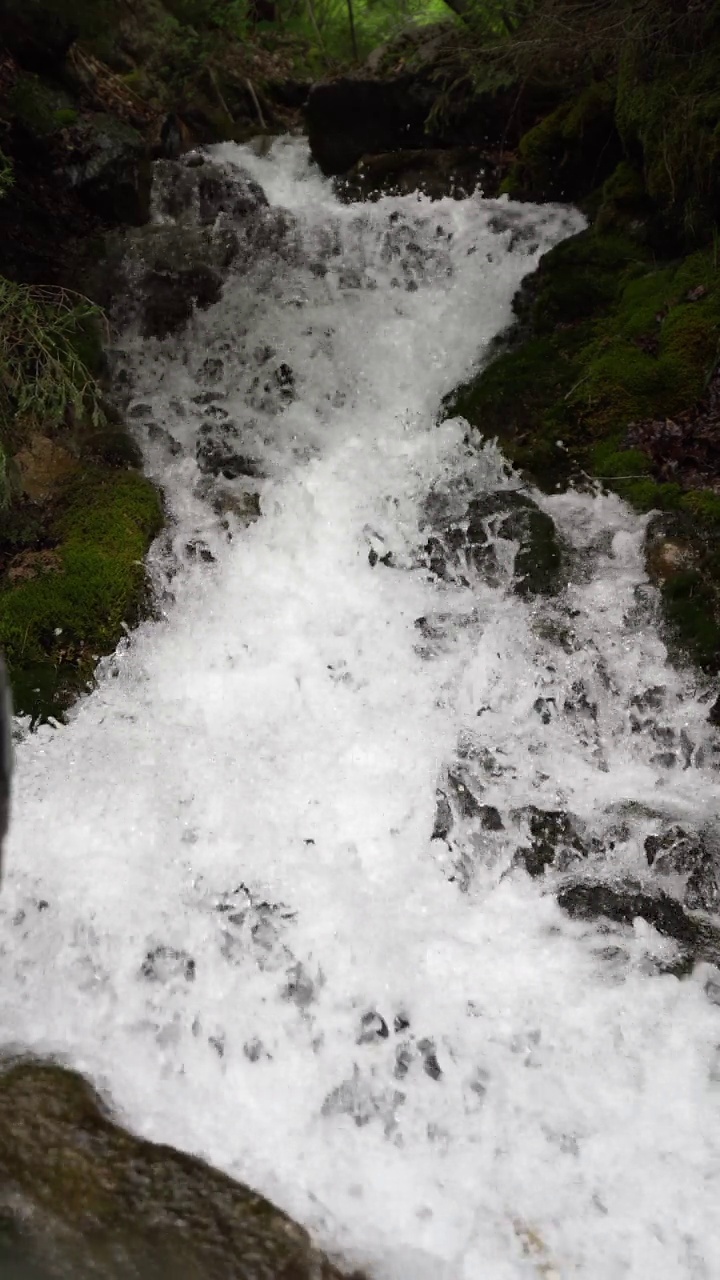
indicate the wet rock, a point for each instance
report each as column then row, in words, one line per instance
column 244, row 506
column 694, row 856
column 431, row 1066
column 702, row 892
column 443, row 817
column 674, row 851
column 217, row 451
column 196, row 549
column 469, row 542
column 179, row 269
column 82, row 1199
column 198, row 195
column 490, row 818
column 555, row 841
column 625, row 903
column 437, row 172
column 210, row 372
column 160, row 435
column 373, row 1027
column 512, row 515
column 464, row 798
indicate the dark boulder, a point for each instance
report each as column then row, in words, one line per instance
column 436, row 172
column 693, row 859
column 355, row 116
column 554, row 841
column 194, row 190
column 349, row 118
column 107, row 163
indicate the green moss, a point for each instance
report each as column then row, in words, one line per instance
column 651, row 354
column 578, row 278
column 100, row 537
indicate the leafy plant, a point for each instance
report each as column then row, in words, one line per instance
column 44, row 372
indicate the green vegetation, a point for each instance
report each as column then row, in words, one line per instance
column 79, row 598
column 50, row 351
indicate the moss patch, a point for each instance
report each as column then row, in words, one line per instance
column 67, row 616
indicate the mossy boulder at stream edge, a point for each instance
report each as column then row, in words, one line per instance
column 609, row 347
column 83, row 1199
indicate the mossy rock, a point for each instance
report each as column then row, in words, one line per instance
column 576, row 280
column 81, row 1198
column 611, row 338
column 569, row 153
column 67, row 615
column 652, row 354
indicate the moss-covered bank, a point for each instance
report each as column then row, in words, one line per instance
column 610, row 346
column 65, row 599
column 609, row 371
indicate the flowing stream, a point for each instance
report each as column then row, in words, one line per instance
column 230, row 898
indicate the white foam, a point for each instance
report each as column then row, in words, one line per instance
column 284, row 729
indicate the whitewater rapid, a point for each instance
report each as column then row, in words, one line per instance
column 224, row 901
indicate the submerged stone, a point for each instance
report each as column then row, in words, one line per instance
column 624, row 903
column 462, row 543
column 554, row 841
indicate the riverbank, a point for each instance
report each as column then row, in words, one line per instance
column 90, row 96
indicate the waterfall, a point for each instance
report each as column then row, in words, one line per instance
column 264, row 887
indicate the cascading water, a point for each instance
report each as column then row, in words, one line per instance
column 262, row 888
